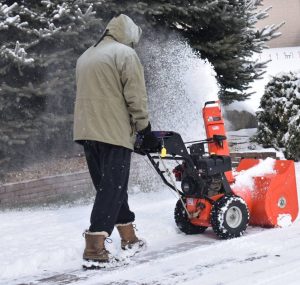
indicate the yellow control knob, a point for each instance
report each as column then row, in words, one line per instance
column 163, row 152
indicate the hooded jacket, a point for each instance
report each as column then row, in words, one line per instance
column 111, row 99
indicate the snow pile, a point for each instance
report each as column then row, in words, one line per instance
column 284, row 220
column 245, row 178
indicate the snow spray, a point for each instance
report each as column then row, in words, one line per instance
column 178, row 84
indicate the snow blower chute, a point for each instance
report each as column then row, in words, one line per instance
column 210, row 194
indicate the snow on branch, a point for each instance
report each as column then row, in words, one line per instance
column 18, row 55
column 7, row 19
column 47, row 3
column 61, row 11
column 5, row 10
column 262, row 14
column 271, row 31
column 47, row 32
column 84, row 17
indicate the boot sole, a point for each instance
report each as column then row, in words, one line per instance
column 96, row 264
column 93, row 267
column 95, row 259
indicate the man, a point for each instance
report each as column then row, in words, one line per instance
column 111, row 106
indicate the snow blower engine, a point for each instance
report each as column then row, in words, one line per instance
column 208, row 195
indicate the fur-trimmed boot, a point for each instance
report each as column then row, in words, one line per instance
column 94, row 247
column 128, row 238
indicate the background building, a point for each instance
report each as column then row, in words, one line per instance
column 288, row 11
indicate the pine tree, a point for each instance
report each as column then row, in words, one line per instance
column 40, row 43
column 292, row 140
column 279, row 119
column 223, row 32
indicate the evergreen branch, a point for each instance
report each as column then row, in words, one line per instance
column 7, row 19
column 17, row 56
column 85, row 17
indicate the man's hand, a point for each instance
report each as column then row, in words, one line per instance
column 145, row 140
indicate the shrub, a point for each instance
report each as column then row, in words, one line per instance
column 279, row 117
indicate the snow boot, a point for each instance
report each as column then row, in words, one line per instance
column 128, row 238
column 94, row 247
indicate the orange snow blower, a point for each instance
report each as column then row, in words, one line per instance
column 209, row 194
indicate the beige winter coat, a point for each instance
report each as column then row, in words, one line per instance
column 111, row 99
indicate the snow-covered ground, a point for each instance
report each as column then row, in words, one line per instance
column 35, row 244
column 39, row 243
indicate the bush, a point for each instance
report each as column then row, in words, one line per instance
column 279, row 118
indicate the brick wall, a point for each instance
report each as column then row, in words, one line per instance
column 57, row 189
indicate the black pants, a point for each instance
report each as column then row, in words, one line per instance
column 109, row 167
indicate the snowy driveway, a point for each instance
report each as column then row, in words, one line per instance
column 40, row 243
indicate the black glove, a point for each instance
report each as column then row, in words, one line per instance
column 146, row 140
column 145, row 131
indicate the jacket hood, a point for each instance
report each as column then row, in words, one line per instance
column 124, row 30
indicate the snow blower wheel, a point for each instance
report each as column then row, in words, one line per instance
column 183, row 223
column 229, row 217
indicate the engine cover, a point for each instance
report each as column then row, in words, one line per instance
column 212, row 165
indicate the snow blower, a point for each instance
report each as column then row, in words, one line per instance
column 210, row 194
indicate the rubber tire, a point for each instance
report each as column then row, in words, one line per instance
column 218, row 217
column 183, row 222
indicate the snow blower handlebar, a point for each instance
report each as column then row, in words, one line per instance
column 176, row 150
column 195, row 170
column 218, row 139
